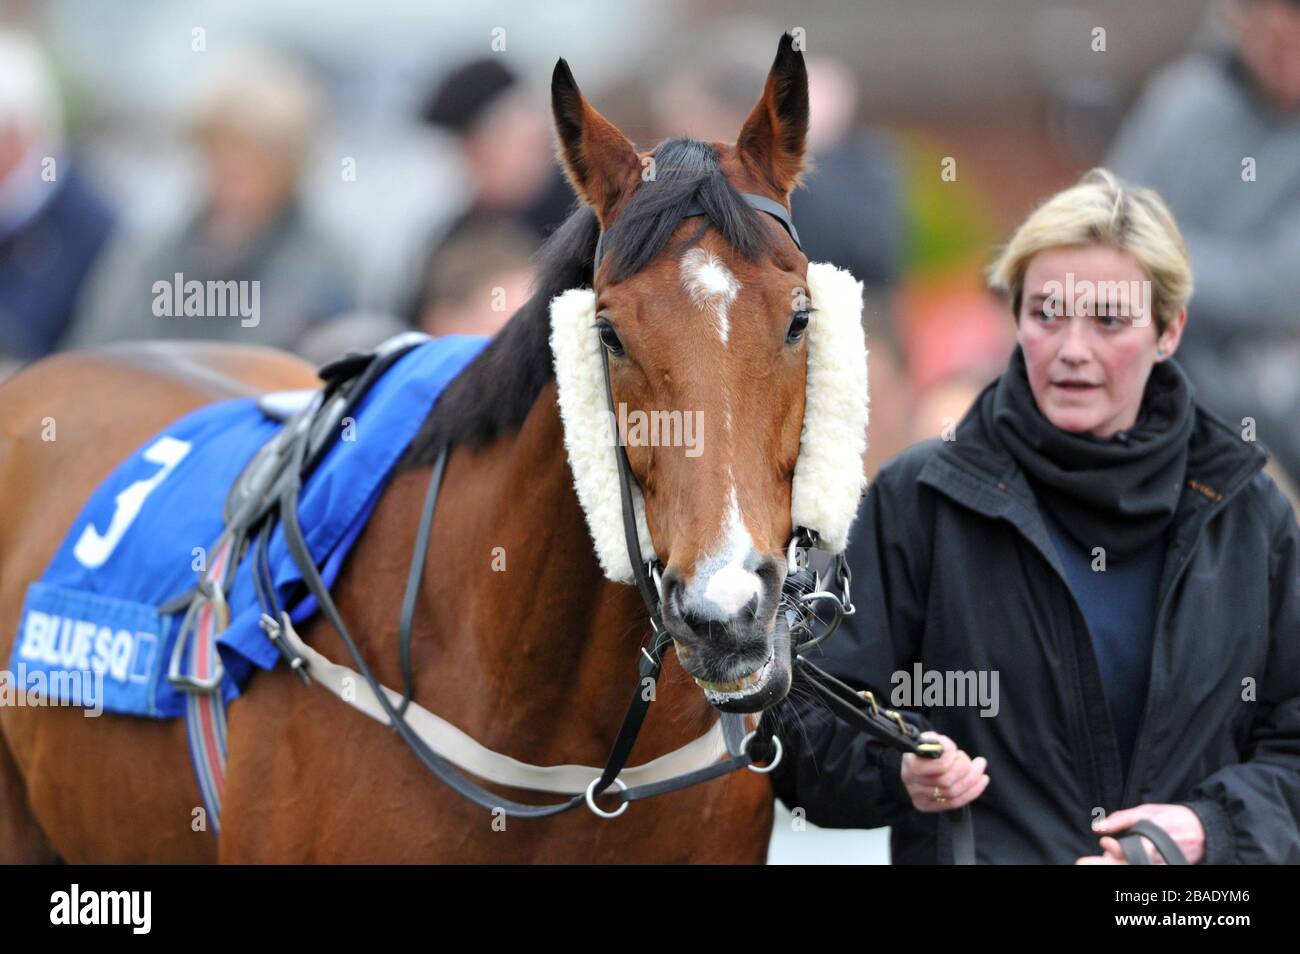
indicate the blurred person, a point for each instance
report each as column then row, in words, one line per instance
column 509, row 158
column 936, row 409
column 53, row 223
column 355, row 331
column 254, row 120
column 957, row 341
column 478, row 280
column 1105, row 557
column 849, row 208
column 852, row 199
column 1218, row 135
column 850, row 212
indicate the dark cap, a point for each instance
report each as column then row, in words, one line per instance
column 462, row 98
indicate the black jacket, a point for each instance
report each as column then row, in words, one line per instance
column 953, row 567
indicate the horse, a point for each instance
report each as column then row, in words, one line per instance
column 530, row 658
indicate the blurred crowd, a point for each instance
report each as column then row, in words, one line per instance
column 1217, row 133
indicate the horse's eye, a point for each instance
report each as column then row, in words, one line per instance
column 609, row 338
column 798, row 325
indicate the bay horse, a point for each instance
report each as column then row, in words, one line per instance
column 534, row 660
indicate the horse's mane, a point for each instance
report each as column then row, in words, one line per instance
column 495, row 393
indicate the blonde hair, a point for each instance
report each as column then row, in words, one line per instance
column 263, row 94
column 1101, row 209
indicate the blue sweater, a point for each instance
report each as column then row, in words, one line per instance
column 1119, row 606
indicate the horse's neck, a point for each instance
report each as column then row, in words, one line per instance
column 518, row 638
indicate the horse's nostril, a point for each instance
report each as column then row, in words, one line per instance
column 698, row 624
column 710, row 620
column 771, row 572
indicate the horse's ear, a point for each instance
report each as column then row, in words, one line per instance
column 600, row 161
column 772, row 139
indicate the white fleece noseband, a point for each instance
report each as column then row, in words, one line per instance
column 828, row 478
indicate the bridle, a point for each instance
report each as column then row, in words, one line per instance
column 802, row 587
column 802, row 591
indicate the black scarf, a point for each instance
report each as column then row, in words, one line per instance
column 1119, row 493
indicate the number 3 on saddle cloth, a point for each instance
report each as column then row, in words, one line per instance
column 103, row 626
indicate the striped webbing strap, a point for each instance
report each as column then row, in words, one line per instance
column 205, row 712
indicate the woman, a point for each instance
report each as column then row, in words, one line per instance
column 1090, row 592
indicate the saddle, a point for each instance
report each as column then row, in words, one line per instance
column 312, row 419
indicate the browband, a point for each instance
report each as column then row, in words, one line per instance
column 760, row 202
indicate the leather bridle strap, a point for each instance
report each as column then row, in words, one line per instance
column 892, row 730
column 435, row 763
column 649, row 592
column 847, row 705
column 1135, row 853
column 416, row 574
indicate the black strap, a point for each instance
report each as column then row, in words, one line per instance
column 889, row 727
column 416, row 575
column 755, row 201
column 649, row 593
column 961, row 835
column 1135, row 853
column 440, row 767
column 775, row 209
column 850, row 706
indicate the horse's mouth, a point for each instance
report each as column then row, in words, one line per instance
column 764, row 687
column 737, row 689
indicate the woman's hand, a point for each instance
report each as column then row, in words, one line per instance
column 1183, row 825
column 952, row 780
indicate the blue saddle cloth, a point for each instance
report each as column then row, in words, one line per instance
column 95, row 611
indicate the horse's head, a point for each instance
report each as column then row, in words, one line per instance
column 704, row 319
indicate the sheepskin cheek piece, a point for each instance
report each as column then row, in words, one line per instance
column 828, row 479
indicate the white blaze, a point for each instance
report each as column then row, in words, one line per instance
column 711, row 286
column 722, row 584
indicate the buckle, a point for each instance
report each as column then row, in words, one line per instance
column 213, row 597
column 274, row 630
column 871, row 700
